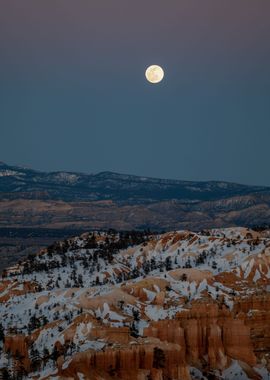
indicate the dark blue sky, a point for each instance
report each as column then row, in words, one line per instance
column 73, row 94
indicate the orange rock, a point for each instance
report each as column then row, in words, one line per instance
column 18, row 346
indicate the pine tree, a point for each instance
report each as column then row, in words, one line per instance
column 55, row 354
column 35, row 359
column 159, row 358
column 2, row 333
column 168, row 263
column 5, row 374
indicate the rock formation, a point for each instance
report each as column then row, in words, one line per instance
column 179, row 306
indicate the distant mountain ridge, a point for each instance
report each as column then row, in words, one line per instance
column 107, row 199
column 73, row 186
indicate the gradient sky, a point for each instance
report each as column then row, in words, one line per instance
column 73, row 95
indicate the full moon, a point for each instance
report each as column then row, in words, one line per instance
column 154, row 74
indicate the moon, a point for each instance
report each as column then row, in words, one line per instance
column 154, row 74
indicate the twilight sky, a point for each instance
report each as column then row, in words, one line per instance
column 73, row 95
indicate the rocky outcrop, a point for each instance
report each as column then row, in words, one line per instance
column 139, row 362
column 207, row 330
column 255, row 311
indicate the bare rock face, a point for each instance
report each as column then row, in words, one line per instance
column 255, row 311
column 158, row 361
column 238, row 343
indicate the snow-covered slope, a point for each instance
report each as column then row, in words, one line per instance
column 108, row 291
